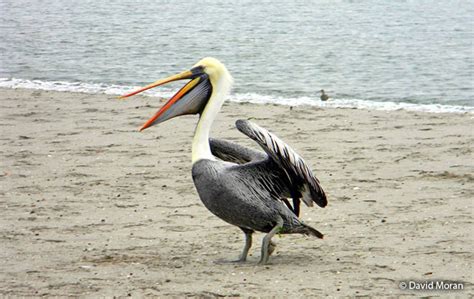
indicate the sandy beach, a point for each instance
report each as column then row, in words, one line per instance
column 91, row 207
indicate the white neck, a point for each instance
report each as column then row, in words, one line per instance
column 201, row 148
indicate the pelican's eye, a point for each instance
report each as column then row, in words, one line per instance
column 197, row 71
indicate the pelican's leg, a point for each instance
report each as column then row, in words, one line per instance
column 267, row 245
column 248, row 243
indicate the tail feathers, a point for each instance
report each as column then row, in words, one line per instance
column 308, row 230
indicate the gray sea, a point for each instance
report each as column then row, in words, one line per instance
column 365, row 54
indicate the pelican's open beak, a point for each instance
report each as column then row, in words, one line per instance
column 190, row 99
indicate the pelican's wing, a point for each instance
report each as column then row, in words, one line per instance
column 297, row 171
column 258, row 169
column 232, row 152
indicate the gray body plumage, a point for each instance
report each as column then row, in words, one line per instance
column 250, row 188
column 237, row 196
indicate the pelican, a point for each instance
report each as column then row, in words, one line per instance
column 244, row 187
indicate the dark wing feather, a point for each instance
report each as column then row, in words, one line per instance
column 269, row 182
column 260, row 167
column 232, row 152
column 297, row 171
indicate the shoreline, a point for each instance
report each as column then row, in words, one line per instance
column 253, row 98
column 94, row 208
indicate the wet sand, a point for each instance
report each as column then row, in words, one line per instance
column 92, row 207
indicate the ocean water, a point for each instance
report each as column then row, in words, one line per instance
column 415, row 55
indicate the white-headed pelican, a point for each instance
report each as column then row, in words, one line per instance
column 242, row 186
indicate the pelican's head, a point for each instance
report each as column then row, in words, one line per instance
column 207, row 76
column 215, row 69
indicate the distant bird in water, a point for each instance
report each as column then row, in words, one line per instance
column 324, row 96
column 244, row 187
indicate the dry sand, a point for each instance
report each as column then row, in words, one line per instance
column 91, row 207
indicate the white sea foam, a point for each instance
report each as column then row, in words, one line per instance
column 99, row 88
column 351, row 103
column 95, row 88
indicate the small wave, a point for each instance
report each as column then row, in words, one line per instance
column 350, row 103
column 94, row 88
column 110, row 89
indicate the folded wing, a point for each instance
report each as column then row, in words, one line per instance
column 233, row 152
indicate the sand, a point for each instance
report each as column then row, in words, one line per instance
column 92, row 207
